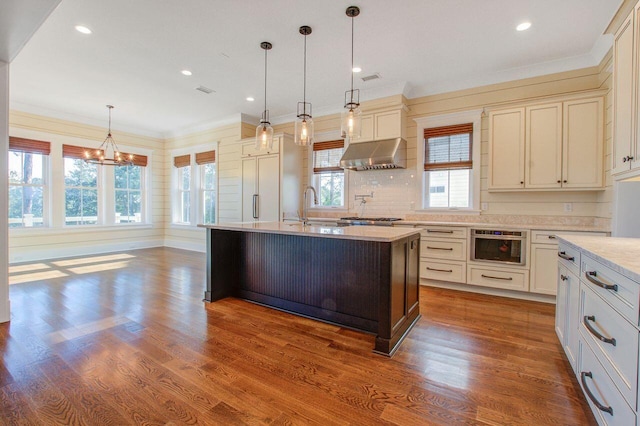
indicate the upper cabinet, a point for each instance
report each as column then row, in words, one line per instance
column 382, row 125
column 550, row 146
column 625, row 99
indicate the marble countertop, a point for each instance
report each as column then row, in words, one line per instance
column 620, row 254
column 364, row 233
column 536, row 227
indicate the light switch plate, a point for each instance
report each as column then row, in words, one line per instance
column 568, row 207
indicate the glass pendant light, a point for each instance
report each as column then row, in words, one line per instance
column 304, row 122
column 352, row 114
column 264, row 131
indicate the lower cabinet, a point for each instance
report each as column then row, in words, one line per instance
column 597, row 316
column 543, row 272
column 496, row 277
column 443, row 253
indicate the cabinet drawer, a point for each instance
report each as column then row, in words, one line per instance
column 620, row 292
column 444, row 232
column 598, row 388
column 619, row 356
column 443, row 271
column 499, row 278
column 443, row 249
column 544, row 237
column 249, row 149
column 569, row 257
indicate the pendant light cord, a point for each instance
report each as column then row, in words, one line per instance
column 304, row 84
column 265, row 84
column 352, row 60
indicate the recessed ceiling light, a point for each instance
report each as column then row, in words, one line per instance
column 356, row 69
column 523, row 26
column 186, row 72
column 250, row 99
column 82, row 29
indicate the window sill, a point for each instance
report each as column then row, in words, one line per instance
column 185, row 226
column 328, row 209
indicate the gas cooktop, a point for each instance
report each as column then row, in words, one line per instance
column 375, row 221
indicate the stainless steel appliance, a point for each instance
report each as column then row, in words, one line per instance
column 375, row 155
column 371, row 221
column 501, row 246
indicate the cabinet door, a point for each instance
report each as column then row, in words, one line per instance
column 561, row 303
column 249, row 189
column 268, row 175
column 366, row 129
column 506, row 149
column 544, row 259
column 387, row 125
column 543, row 142
column 582, row 155
column 623, row 97
column 573, row 319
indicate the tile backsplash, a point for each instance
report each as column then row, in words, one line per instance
column 394, row 193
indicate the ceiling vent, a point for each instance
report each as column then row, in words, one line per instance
column 205, row 90
column 371, row 77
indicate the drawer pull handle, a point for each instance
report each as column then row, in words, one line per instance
column 590, row 275
column 583, row 376
column 564, row 277
column 551, row 237
column 437, row 231
column 565, row 256
column 593, row 331
column 439, row 270
column 440, row 248
column 497, row 278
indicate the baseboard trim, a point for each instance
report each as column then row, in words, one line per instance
column 489, row 291
column 184, row 245
column 31, row 255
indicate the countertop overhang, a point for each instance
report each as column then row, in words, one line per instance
column 362, row 233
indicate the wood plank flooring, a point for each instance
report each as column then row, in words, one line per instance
column 125, row 339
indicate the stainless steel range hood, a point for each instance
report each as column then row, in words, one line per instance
column 375, row 155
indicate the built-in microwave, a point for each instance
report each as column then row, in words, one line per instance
column 501, row 246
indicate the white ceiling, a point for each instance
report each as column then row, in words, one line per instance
column 134, row 57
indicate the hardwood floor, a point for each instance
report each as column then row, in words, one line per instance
column 125, row 339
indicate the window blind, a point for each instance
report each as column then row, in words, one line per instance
column 448, row 147
column 206, row 157
column 182, row 160
column 326, row 156
column 29, row 145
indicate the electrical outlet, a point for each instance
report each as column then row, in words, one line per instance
column 568, row 207
column 483, row 206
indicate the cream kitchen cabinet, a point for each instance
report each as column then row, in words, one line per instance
column 625, row 100
column 443, row 253
column 381, row 125
column 271, row 180
column 567, row 300
column 547, row 146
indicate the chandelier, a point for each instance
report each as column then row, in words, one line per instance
column 108, row 153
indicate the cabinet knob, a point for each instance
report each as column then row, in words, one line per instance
column 521, row 182
column 558, row 181
column 564, row 181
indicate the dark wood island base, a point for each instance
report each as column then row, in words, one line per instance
column 369, row 284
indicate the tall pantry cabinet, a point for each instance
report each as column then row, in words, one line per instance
column 271, row 180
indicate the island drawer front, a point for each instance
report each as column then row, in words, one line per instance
column 624, row 298
column 444, row 232
column 603, row 390
column 498, row 278
column 443, row 249
column 569, row 257
column 443, row 271
column 619, row 358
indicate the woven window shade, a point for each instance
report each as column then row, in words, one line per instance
column 206, row 157
column 182, row 161
column 448, row 147
column 326, row 156
column 138, row 160
column 29, row 145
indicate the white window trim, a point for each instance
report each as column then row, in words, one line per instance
column 46, row 195
column 195, row 216
column 324, row 137
column 472, row 116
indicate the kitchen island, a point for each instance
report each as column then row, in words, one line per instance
column 361, row 277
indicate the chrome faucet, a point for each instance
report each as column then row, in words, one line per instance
column 305, row 207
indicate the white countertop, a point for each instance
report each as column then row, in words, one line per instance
column 364, row 233
column 620, row 254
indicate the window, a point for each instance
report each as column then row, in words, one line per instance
column 206, row 162
column 328, row 177
column 448, row 166
column 80, row 188
column 28, row 162
column 129, row 189
column 183, row 164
